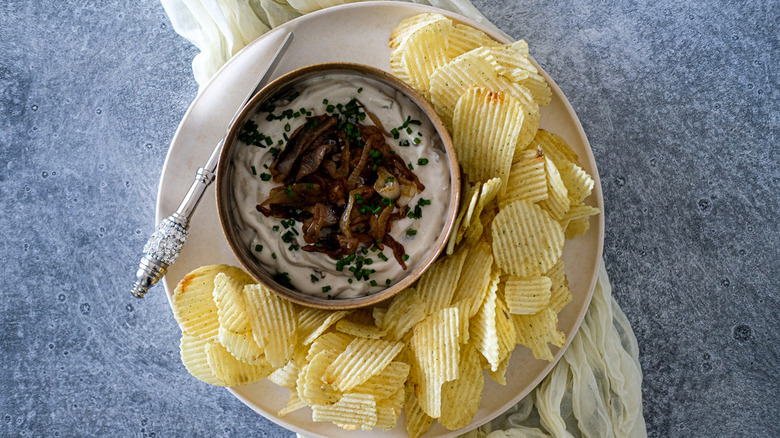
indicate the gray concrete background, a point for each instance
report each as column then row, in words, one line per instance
column 680, row 101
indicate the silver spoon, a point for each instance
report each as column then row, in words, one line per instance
column 163, row 248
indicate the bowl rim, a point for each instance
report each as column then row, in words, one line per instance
column 224, row 195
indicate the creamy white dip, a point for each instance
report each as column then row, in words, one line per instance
column 315, row 273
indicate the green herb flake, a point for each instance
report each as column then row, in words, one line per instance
column 325, row 289
column 411, row 232
column 259, row 248
column 422, row 161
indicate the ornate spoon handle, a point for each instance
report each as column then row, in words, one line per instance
column 163, row 248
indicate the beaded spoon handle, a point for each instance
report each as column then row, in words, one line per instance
column 163, row 248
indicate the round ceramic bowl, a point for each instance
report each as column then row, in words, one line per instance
column 235, row 230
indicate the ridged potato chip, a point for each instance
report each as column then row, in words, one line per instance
column 193, row 356
column 229, row 298
column 557, row 202
column 512, row 61
column 362, row 359
column 483, row 333
column 360, row 330
column 461, row 397
column 487, row 194
column 410, row 25
column 311, row 388
column 385, row 384
column 473, row 287
column 273, row 323
column 555, row 148
column 577, row 227
column 526, row 296
column 417, row 421
column 285, row 376
column 486, row 126
column 379, row 316
column 526, row 240
column 232, row 371
column 436, row 348
column 356, row 410
column 499, row 375
column 578, row 183
column 536, row 331
column 423, row 52
column 242, row 346
column 560, row 295
column 389, row 409
column 527, row 178
column 293, row 404
column 333, row 341
column 437, row 285
column 464, row 38
column 405, row 311
column 193, row 301
column 468, row 203
column 313, row 322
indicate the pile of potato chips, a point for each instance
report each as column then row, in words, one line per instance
column 501, row 283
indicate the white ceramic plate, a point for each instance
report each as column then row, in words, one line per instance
column 353, row 33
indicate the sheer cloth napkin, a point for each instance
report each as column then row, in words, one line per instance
column 595, row 389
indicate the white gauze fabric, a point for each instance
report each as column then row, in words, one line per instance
column 595, row 389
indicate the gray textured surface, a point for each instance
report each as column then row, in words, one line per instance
column 680, row 101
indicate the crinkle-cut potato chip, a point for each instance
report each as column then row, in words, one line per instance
column 579, row 211
column 389, row 409
column 464, row 306
column 436, row 348
column 526, row 240
column 526, row 296
column 193, row 300
column 437, row 285
column 488, row 193
column 512, row 61
column 499, row 375
column 232, row 371
column 352, row 410
column 557, row 201
column 473, row 287
column 411, row 25
column 535, row 331
column 193, row 356
column 293, row 404
column 560, row 295
column 555, row 148
column 360, row 330
column 405, row 311
column 468, row 203
column 464, row 38
column 333, row 341
column 311, row 389
column 285, row 376
column 527, row 178
column 578, row 183
column 313, row 322
column 462, row 396
column 385, row 384
column 362, row 359
column 273, row 323
column 577, row 227
column 379, row 316
column 423, row 52
column 242, row 346
column 486, row 126
column 229, row 298
column 483, row 331
column 506, row 331
column 417, row 421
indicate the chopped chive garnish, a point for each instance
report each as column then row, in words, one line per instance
column 325, row 289
column 387, row 282
column 258, row 248
column 360, row 90
column 417, row 140
column 265, row 176
column 408, row 130
column 286, row 127
column 422, row 161
column 373, row 282
column 405, row 257
column 349, row 280
column 382, row 256
column 254, row 171
column 411, row 167
column 273, row 255
column 411, row 232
